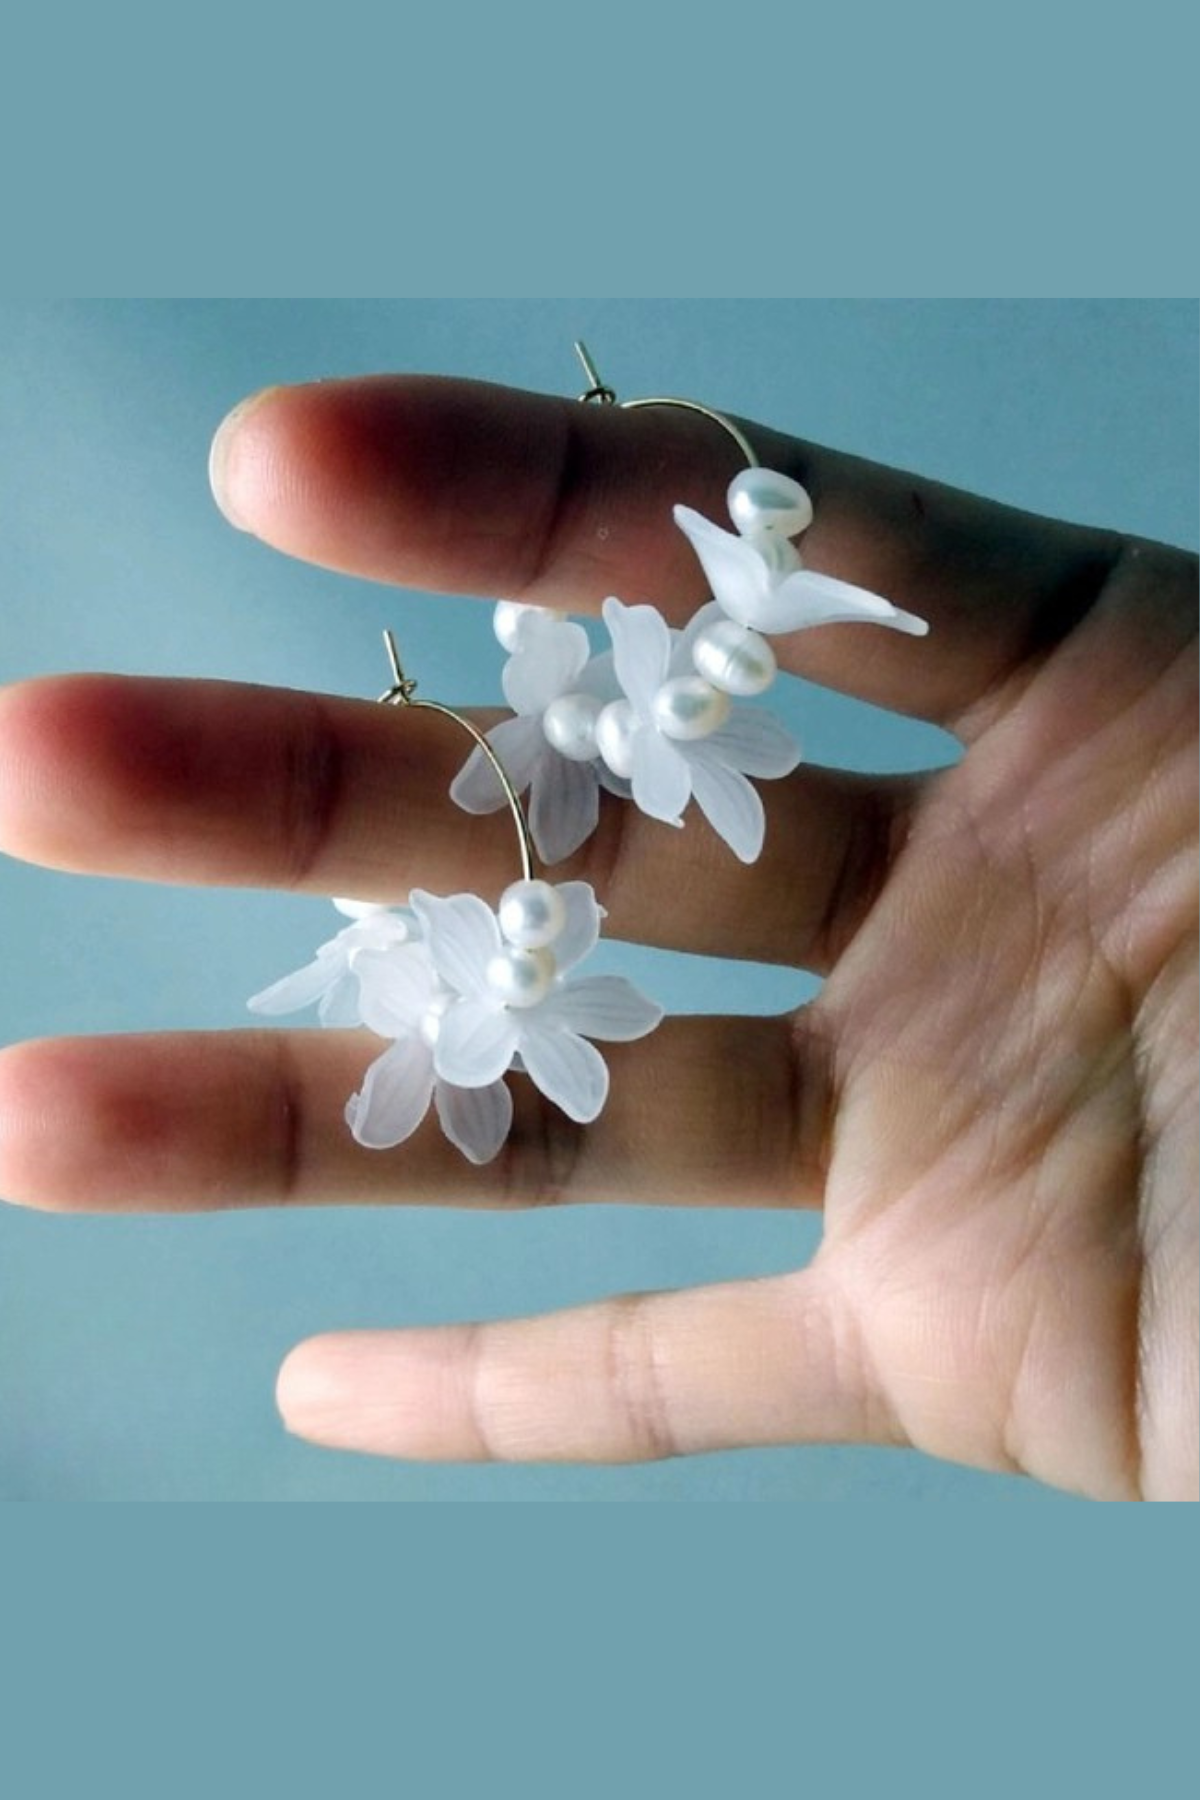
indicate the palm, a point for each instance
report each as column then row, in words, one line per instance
column 1009, row 1192
column 993, row 1097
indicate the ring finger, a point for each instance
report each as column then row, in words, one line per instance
column 706, row 1111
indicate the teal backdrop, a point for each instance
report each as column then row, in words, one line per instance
column 137, row 1355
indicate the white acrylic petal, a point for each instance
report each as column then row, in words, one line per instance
column 599, row 678
column 601, row 1006
column 568, row 1070
column 476, row 1120
column 662, row 785
column 736, row 573
column 304, row 987
column 395, row 988
column 564, row 806
column 475, row 1044
column 359, row 909
column 463, row 936
column 339, row 1009
column 613, row 784
column 641, row 642
column 578, row 936
column 551, row 653
column 380, row 930
column 731, row 806
column 807, row 599
column 518, row 743
column 394, row 1097
column 753, row 741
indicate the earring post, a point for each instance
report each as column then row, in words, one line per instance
column 607, row 396
column 599, row 390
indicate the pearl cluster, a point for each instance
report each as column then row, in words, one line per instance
column 731, row 660
column 532, row 915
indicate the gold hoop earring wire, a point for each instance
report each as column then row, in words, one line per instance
column 599, row 393
column 402, row 692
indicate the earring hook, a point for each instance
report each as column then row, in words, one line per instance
column 599, row 391
column 401, row 693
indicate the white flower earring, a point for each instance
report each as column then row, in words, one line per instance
column 667, row 716
column 465, row 992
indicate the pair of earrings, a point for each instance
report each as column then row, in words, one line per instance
column 463, row 992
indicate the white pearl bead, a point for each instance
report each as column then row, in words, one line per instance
column 616, row 729
column 734, row 658
column 570, row 725
column 764, row 503
column 689, row 707
column 531, row 914
column 509, row 615
column 521, row 978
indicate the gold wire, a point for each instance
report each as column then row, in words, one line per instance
column 401, row 694
column 600, row 391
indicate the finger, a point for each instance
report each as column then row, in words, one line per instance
column 775, row 1361
column 213, row 782
column 706, row 1111
column 466, row 488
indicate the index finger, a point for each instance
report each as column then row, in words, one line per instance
column 463, row 487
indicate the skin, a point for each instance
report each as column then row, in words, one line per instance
column 994, row 1096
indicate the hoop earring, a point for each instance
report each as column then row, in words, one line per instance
column 465, row 993
column 661, row 718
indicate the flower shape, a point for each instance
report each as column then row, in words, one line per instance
column 516, row 1003
column 328, row 981
column 464, row 994
column 683, row 738
column 757, row 576
column 403, row 998
column 556, row 689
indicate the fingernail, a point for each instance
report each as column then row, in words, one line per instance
column 222, row 461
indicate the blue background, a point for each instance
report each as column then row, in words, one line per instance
column 137, row 1356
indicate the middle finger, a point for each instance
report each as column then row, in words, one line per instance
column 214, row 782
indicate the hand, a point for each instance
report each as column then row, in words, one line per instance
column 994, row 1096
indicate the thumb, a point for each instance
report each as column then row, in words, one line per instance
column 627, row 1379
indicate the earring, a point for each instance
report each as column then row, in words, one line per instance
column 465, row 992
column 662, row 717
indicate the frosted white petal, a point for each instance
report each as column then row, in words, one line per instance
column 304, row 987
column 568, row 1070
column 394, row 1097
column 613, row 784
column 601, row 1006
column 476, row 1120
column 578, row 936
column 475, row 1044
column 641, row 642
column 462, row 935
column 731, row 806
column 600, row 678
column 520, row 745
column 551, row 653
column 754, row 742
column 359, row 909
column 736, row 573
column 564, row 806
column 339, row 1007
column 381, row 928
column 662, row 784
column 395, row 988
column 807, row 599
column 864, row 605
